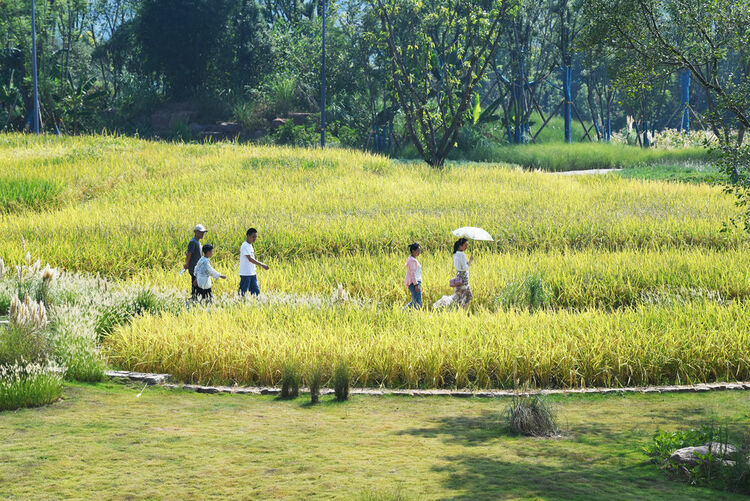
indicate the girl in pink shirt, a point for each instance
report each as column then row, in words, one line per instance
column 413, row 279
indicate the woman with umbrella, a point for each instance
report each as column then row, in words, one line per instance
column 463, row 292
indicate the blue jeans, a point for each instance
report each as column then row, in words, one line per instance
column 249, row 283
column 416, row 296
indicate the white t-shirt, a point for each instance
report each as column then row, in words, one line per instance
column 247, row 268
column 460, row 261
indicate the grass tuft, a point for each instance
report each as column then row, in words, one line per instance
column 532, row 416
column 341, row 381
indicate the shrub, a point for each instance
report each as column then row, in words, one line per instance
column 341, row 380
column 296, row 135
column 711, row 471
column 290, row 379
column 29, row 385
column 349, row 137
column 314, row 380
column 531, row 416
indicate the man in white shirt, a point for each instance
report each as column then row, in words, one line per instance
column 248, row 263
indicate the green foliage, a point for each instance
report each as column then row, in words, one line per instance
column 180, row 40
column 712, row 470
column 341, row 381
column 296, row 135
column 529, row 293
column 532, row 416
column 665, row 443
column 349, row 137
column 436, row 62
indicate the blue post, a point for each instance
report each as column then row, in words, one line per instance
column 685, row 101
column 567, row 105
column 609, row 130
column 35, row 121
column 323, row 83
column 520, row 136
column 646, row 142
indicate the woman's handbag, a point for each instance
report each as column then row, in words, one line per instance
column 456, row 282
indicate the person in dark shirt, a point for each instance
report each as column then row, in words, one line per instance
column 192, row 256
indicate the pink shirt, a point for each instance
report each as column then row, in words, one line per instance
column 413, row 272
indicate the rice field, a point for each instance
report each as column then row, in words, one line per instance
column 639, row 283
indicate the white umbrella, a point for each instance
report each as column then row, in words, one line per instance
column 473, row 233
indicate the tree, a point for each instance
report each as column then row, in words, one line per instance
column 179, row 40
column 438, row 51
column 710, row 38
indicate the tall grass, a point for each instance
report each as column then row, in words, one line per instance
column 571, row 280
column 687, row 343
column 29, row 385
column 145, row 197
column 585, row 156
column 22, row 193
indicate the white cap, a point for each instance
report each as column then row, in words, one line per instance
column 200, row 227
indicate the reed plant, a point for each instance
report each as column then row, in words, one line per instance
column 29, row 385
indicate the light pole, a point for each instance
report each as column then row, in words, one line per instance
column 35, row 121
column 323, row 84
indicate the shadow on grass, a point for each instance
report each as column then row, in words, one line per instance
column 465, row 430
column 598, row 462
column 481, row 477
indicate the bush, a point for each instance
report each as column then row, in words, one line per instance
column 296, row 135
column 290, row 379
column 29, row 385
column 711, row 470
column 349, row 137
column 341, row 379
column 531, row 416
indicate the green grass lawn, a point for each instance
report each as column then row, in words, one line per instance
column 687, row 172
column 104, row 441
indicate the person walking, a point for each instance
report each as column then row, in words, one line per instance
column 193, row 255
column 463, row 292
column 248, row 264
column 413, row 279
column 204, row 272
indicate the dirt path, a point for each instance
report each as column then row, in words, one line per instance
column 589, row 172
